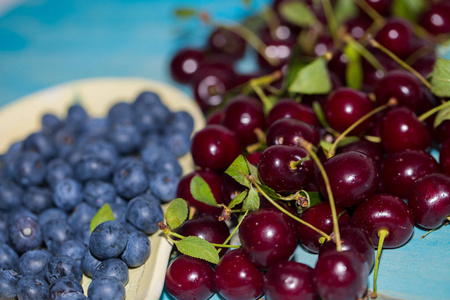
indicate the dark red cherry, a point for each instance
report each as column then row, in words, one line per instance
column 219, row 61
column 338, row 64
column 385, row 211
column 340, row 276
column 424, row 65
column 345, row 106
column 400, row 130
column 372, row 75
column 357, row 26
column 400, row 170
column 289, row 108
column 323, row 45
column 215, row 118
column 244, row 116
column 401, row 85
column 382, row 7
column 189, row 278
column 237, row 278
column 370, row 149
column 289, row 280
column 215, row 147
column 214, row 182
column 184, row 64
column 206, row 227
column 267, row 237
column 429, row 200
column 353, row 178
column 436, row 20
column 230, row 188
column 253, row 157
column 444, row 157
column 320, row 217
column 396, row 36
column 279, row 50
column 227, row 42
column 353, row 239
column 288, row 131
column 442, row 132
column 278, row 168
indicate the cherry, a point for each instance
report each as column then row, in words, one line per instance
column 429, row 200
column 338, row 64
column 267, row 237
column 279, row 168
column 289, row 108
column 279, row 50
column 353, row 178
column 382, row 7
column 371, row 75
column 219, row 61
column 436, row 20
column 230, row 188
column 288, row 131
column 442, row 132
column 396, row 36
column 244, row 116
column 444, row 157
column 253, row 157
column 215, row 118
column 345, row 106
column 400, row 170
column 323, row 45
column 214, row 182
column 401, row 85
column 357, row 26
column 424, row 65
column 206, row 227
column 320, row 217
column 226, row 41
column 289, row 280
column 282, row 32
column 189, row 278
column 237, row 278
column 215, row 147
column 340, row 275
column 184, row 64
column 400, row 130
column 370, row 149
column 353, row 239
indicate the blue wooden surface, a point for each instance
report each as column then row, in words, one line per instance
column 43, row 43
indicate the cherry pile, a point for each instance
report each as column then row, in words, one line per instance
column 327, row 146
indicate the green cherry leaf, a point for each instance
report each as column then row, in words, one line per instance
column 238, row 199
column 238, row 170
column 198, row 248
column 176, row 213
column 201, row 192
column 104, row 214
column 354, row 72
column 441, row 116
column 440, row 80
column 297, row 13
column 314, row 198
column 252, row 200
column 344, row 10
column 312, row 78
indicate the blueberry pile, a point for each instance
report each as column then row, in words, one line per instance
column 54, row 182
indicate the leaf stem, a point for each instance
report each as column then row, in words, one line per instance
column 331, row 19
column 234, row 230
column 364, row 53
column 382, row 234
column 432, row 111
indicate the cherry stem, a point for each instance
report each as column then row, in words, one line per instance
column 432, row 111
column 308, row 147
column 271, row 18
column 370, row 11
column 234, row 230
column 446, row 222
column 401, row 62
column 293, row 164
column 372, row 138
column 332, row 150
column 382, row 234
column 256, row 84
column 274, row 203
column 331, row 19
column 364, row 52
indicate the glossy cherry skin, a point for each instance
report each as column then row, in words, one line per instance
column 289, row 280
column 444, row 157
column 214, row 182
column 353, row 239
column 385, row 211
column 267, row 238
column 357, row 26
column 371, row 149
column 215, row 147
column 442, row 132
column 353, row 178
column 382, row 7
column 400, row 130
column 275, row 168
column 429, row 200
column 399, row 171
column 189, row 278
column 244, row 116
column 436, row 20
column 215, row 118
column 253, row 157
column 227, row 42
column 396, row 36
column 289, row 131
column 345, row 106
column 184, row 64
column 237, row 278
column 340, row 276
column 289, row 108
column 320, row 217
column 278, row 50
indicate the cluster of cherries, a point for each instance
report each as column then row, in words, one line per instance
column 366, row 152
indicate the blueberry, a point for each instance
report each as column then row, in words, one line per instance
column 61, row 266
column 179, row 142
column 125, row 136
column 180, row 121
column 97, row 161
column 120, row 111
column 34, row 262
column 145, row 99
column 8, row 258
column 95, row 127
column 112, row 267
column 37, row 199
column 51, row 214
column 57, row 170
column 29, row 169
column 130, row 178
column 18, row 212
column 84, row 234
column 144, row 214
column 164, row 185
column 97, row 193
column 76, row 116
column 81, row 215
column 106, row 288
column 32, row 288
column 150, row 117
column 72, row 296
column 73, row 248
column 4, row 226
column 10, row 194
column 129, row 227
column 11, row 155
column 68, row 193
column 64, row 285
column 25, row 234
column 8, row 284
column 66, row 141
column 119, row 211
column 108, row 240
column 151, row 139
column 3, row 168
column 41, row 143
column 89, row 263
column 50, row 123
column 158, row 159
column 137, row 250
column 56, row 232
